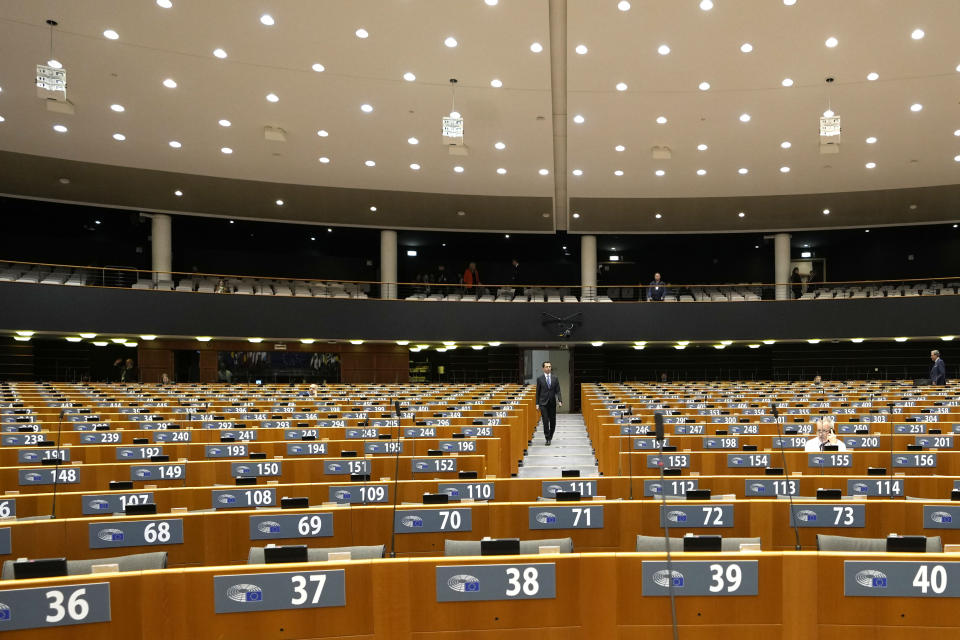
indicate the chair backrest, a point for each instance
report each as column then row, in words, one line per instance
column 320, row 555
column 472, row 547
column 132, row 562
column 847, row 543
column 657, row 543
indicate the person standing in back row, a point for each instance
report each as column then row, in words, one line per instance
column 471, row 277
column 938, row 370
column 656, row 290
column 548, row 397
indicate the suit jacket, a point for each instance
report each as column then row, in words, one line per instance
column 657, row 290
column 545, row 394
column 938, row 372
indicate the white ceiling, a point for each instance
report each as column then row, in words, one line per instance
column 913, row 149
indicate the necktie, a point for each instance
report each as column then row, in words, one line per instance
column 548, row 381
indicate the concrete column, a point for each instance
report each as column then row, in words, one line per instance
column 781, row 265
column 161, row 245
column 588, row 267
column 388, row 264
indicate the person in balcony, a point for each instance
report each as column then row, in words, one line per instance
column 656, row 290
column 471, row 278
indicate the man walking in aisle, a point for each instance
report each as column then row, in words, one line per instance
column 548, row 397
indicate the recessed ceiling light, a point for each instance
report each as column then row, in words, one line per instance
column 577, row 172
column 178, row 193
column 663, row 49
column 916, row 107
column 701, row 172
column 366, row 108
column 267, row 20
column 458, row 169
column 323, row 160
column 370, row 163
column 784, row 169
column 706, row 5
column 412, row 141
column 623, row 5
column 581, row 49
column 272, row 97
column 502, row 171
column 957, row 133
column 544, row 172
column 828, row 113
column 866, row 230
column 785, row 144
column 2, row 119
column 871, row 140
column 219, row 53
column 373, row 209
column 409, row 77
column 702, row 147
column 789, row 3
column 490, row 3
column 110, row 34
column 226, row 150
column 704, row 86
column 279, row 203
column 916, row 35
column 461, row 213
column 746, row 47
column 536, row 47
column 744, row 117
column 787, row 82
column 499, row 146
column 831, row 42
column 660, row 173
column 322, row 133
column 170, row 83
column 59, row 128
column 361, row 33
column 319, row 68
column 741, row 214
column 450, row 42
column 415, row 166
column 743, row 171
column 618, row 172
column 74, row 338
column 619, row 147
column 329, row 230
column 826, row 212
column 873, row 75
column 579, row 119
column 661, row 120
column 956, row 158
column 658, row 215
column 175, row 144
column 224, row 123
column 621, row 86
column 506, row 235
column 576, row 215
column 117, row 107
column 496, row 84
column 166, row 4
column 871, row 165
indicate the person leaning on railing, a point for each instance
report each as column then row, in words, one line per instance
column 656, row 290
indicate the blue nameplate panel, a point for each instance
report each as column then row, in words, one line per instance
column 306, row 448
column 457, row 446
column 752, row 460
column 941, row 516
column 910, row 428
column 721, row 443
column 241, row 593
column 862, row 442
column 829, row 515
column 244, row 434
column 915, row 460
column 701, row 578
column 361, row 433
column 670, row 461
column 420, row 432
column 647, row 444
column 477, row 432
column 934, row 442
column 433, row 520
column 767, row 487
column 829, row 459
column 172, row 436
column 257, row 468
column 670, row 487
column 346, row 466
column 113, row 502
column 905, row 579
column 384, row 446
column 158, row 472
column 22, row 439
column 273, row 424
column 554, row 516
column 137, row 453
column 54, row 606
column 298, row 434
column 485, row 582
column 689, row 430
column 26, row 456
column 635, row 430
column 135, row 533
column 468, row 490
column 586, row 488
column 298, row 525
column 360, row 494
column 891, row 488
column 696, row 516
column 241, row 498
column 49, row 476
column 433, row 465
column 5, row 546
column 225, row 450
column 789, row 442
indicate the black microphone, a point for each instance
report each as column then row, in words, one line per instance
column 396, row 480
column 56, row 466
column 890, row 408
column 658, row 434
column 786, row 471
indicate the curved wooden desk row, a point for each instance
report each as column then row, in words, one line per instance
column 610, row 444
column 74, row 504
column 96, row 477
column 224, row 537
column 794, row 596
column 643, row 463
column 489, row 448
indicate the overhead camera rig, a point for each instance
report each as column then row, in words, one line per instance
column 563, row 328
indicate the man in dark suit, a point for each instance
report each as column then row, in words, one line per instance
column 548, row 397
column 656, row 290
column 938, row 370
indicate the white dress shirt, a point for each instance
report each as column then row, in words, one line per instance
column 813, row 444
